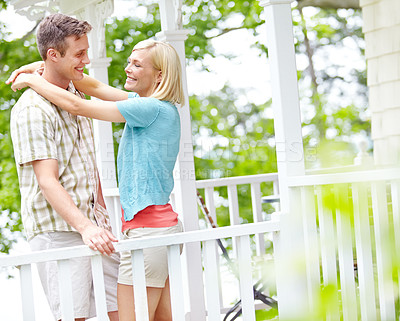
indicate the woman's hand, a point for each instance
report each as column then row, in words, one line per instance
column 23, row 80
column 28, row 69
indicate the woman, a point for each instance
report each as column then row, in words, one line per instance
column 146, row 157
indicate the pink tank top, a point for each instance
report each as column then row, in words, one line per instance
column 152, row 216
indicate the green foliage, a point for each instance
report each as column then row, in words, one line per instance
column 208, row 20
column 334, row 97
column 13, row 54
column 232, row 139
column 230, row 135
column 271, row 314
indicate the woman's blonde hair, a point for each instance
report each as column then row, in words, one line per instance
column 165, row 58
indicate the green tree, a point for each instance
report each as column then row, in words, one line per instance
column 334, row 96
column 232, row 139
column 13, row 54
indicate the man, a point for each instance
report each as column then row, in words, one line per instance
column 62, row 204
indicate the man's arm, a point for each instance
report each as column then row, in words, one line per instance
column 103, row 110
column 96, row 238
column 88, row 85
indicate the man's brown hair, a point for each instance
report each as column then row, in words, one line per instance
column 54, row 29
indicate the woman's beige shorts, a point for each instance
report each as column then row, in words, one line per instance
column 155, row 259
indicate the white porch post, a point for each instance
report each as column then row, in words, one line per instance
column 185, row 178
column 95, row 12
column 290, row 259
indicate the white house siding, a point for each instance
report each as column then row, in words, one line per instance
column 382, row 35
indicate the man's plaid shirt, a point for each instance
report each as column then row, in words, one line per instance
column 40, row 130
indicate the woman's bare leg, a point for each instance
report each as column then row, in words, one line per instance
column 113, row 316
column 163, row 311
column 126, row 308
column 126, row 305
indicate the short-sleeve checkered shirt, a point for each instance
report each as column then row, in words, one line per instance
column 40, row 130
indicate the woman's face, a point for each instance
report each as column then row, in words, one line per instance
column 142, row 77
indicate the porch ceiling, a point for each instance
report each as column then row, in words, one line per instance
column 36, row 9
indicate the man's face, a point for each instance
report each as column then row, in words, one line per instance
column 71, row 65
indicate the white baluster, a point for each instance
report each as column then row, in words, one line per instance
column 328, row 246
column 396, row 221
column 210, row 203
column 175, row 282
column 233, row 205
column 345, row 253
column 98, row 287
column 383, row 253
column 139, row 286
column 233, row 211
column 28, row 308
column 364, row 253
column 311, row 245
column 212, row 281
column 64, row 279
column 245, row 277
column 257, row 216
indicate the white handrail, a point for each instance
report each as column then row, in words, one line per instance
column 136, row 246
column 142, row 243
column 217, row 182
column 237, row 180
column 341, row 178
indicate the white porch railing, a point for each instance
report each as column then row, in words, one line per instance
column 212, row 202
column 253, row 182
column 206, row 237
column 111, row 196
column 231, row 184
column 351, row 227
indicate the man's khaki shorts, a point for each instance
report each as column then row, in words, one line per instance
column 155, row 259
column 81, row 275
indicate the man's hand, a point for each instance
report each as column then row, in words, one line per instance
column 28, row 69
column 22, row 81
column 99, row 239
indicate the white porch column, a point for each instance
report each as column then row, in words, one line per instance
column 382, row 50
column 291, row 277
column 184, row 172
column 95, row 12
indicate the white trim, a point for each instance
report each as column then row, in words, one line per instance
column 172, row 35
column 342, row 178
column 265, row 3
column 145, row 242
column 237, row 180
